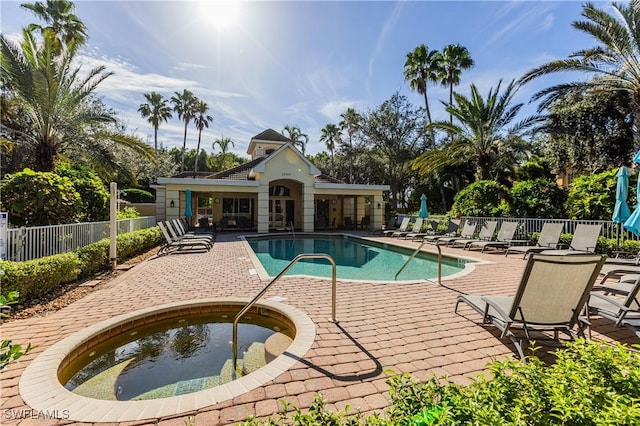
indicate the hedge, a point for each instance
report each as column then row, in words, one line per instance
column 38, row 277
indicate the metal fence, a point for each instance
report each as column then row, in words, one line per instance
column 40, row 241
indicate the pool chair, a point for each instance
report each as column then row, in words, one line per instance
column 467, row 233
column 182, row 231
column 177, row 233
column 452, row 230
column 173, row 246
column 486, row 234
column 417, row 227
column 403, row 227
column 389, row 227
column 584, row 241
column 505, row 235
column 432, row 227
column 552, row 293
column 623, row 308
column 548, row 239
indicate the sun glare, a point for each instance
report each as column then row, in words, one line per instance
column 220, row 14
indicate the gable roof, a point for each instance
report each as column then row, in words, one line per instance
column 271, row 135
column 240, row 172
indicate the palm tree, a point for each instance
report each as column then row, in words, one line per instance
column 202, row 120
column 482, row 130
column 615, row 61
column 421, row 67
column 59, row 103
column 156, row 110
column 455, row 58
column 296, row 136
column 184, row 104
column 59, row 15
column 351, row 122
column 329, row 135
column 223, row 143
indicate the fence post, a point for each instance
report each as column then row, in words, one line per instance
column 113, row 231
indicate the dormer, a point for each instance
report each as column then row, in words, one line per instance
column 265, row 143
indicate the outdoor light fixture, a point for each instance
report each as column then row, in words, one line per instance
column 379, row 205
column 173, row 203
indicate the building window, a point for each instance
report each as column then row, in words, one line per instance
column 279, row 191
column 237, row 207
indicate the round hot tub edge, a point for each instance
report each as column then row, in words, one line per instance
column 41, row 389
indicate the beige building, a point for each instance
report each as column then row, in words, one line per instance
column 277, row 189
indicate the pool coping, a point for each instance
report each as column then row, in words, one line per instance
column 262, row 273
column 40, row 388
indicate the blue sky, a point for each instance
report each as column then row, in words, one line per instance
column 269, row 64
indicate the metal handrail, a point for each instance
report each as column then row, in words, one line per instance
column 415, row 253
column 277, row 277
column 293, row 231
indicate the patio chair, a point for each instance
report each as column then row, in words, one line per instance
column 177, row 233
column 417, row 227
column 552, row 292
column 451, row 231
column 389, row 227
column 505, row 235
column 468, row 231
column 549, row 238
column 486, row 234
column 584, row 241
column 432, row 227
column 623, row 310
column 171, row 245
column 181, row 231
column 403, row 227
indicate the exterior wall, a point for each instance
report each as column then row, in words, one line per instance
column 145, row 209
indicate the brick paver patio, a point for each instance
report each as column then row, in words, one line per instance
column 399, row 327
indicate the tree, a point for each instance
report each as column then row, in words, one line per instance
column 329, row 135
column 421, row 67
column 94, row 197
column 59, row 15
column 592, row 196
column 482, row 128
column 296, row 136
column 223, row 143
column 184, row 104
column 58, row 102
column 352, row 123
column 541, row 198
column 613, row 61
column 481, row 198
column 156, row 110
column 455, row 59
column 201, row 120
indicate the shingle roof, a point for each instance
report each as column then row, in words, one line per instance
column 271, row 135
column 240, row 172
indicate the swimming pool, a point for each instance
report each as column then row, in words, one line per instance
column 356, row 258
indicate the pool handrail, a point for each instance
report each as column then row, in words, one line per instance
column 277, row 277
column 415, row 253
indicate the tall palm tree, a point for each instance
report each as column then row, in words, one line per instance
column 58, row 102
column 455, row 59
column 351, row 122
column 223, row 143
column 421, row 67
column 202, row 120
column 296, row 136
column 614, row 61
column 482, row 130
column 61, row 19
column 329, row 135
column 184, row 104
column 156, row 110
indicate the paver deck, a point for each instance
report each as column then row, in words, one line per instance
column 400, row 327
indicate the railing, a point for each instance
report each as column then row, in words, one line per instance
column 415, row 253
column 40, row 241
column 273, row 281
column 293, row 231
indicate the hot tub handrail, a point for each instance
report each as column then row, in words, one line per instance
column 415, row 253
column 273, row 281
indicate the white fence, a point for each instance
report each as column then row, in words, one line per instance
column 40, row 241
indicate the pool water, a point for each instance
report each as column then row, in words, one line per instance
column 170, row 358
column 356, row 258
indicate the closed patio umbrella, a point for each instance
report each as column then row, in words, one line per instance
column 621, row 210
column 632, row 224
column 187, row 205
column 423, row 213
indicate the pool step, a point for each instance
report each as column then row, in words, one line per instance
column 254, row 358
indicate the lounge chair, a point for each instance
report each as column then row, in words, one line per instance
column 452, row 230
column 417, row 227
column 175, row 231
column 468, row 231
column 621, row 310
column 548, row 239
column 432, row 227
column 171, row 245
column 486, row 234
column 552, row 292
column 505, row 235
column 403, row 227
column 584, row 241
column 182, row 231
column 389, row 227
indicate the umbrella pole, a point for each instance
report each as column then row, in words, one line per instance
column 618, row 237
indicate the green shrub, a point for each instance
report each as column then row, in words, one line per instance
column 94, row 257
column 127, row 212
column 590, row 383
column 134, row 195
column 593, row 197
column 93, row 193
column 481, row 198
column 537, row 198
